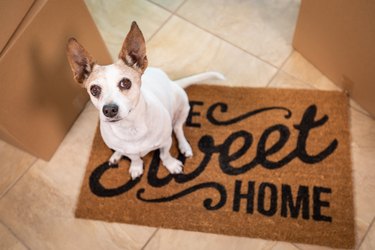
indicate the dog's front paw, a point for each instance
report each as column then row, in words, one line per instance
column 135, row 171
column 185, row 149
column 115, row 158
column 174, row 166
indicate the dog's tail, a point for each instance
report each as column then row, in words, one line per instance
column 187, row 81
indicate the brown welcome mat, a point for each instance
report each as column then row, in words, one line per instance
column 268, row 163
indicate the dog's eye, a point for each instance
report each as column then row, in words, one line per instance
column 125, row 83
column 95, row 90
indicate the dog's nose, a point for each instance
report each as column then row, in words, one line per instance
column 110, row 110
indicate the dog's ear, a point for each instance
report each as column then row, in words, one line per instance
column 133, row 51
column 80, row 60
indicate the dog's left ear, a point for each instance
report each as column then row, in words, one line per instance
column 133, row 51
column 80, row 60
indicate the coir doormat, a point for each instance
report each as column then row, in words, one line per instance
column 268, row 163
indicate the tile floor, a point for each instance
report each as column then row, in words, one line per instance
column 250, row 43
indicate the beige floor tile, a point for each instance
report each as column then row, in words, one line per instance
column 284, row 246
column 300, row 68
column 171, row 5
column 114, row 18
column 8, row 241
column 14, row 163
column 40, row 208
column 166, row 239
column 364, row 185
column 314, row 247
column 263, row 28
column 369, row 241
column 362, row 129
column 361, row 229
column 284, row 80
column 182, row 49
column 67, row 167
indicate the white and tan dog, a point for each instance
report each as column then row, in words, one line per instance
column 138, row 107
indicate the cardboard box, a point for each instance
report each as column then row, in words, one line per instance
column 39, row 98
column 338, row 37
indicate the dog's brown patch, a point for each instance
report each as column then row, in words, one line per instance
column 133, row 51
column 80, row 60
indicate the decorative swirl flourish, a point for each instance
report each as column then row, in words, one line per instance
column 207, row 203
column 98, row 189
column 224, row 108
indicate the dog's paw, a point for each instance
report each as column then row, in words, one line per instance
column 174, row 166
column 135, row 171
column 115, row 158
column 185, row 149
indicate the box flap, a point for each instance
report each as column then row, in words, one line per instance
column 11, row 15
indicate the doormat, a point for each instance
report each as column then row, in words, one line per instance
column 268, row 163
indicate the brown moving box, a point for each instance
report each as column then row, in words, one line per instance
column 39, row 98
column 338, row 37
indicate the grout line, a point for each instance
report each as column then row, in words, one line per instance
column 314, row 87
column 283, row 64
column 225, row 40
column 164, row 8
column 296, row 78
column 179, row 7
column 160, row 6
column 160, row 27
column 14, row 235
column 172, row 13
column 295, row 245
column 149, row 239
column 163, row 24
column 367, row 231
column 272, row 78
column 361, row 111
column 18, row 179
column 280, row 69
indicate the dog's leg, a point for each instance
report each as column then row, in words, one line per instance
column 183, row 144
column 136, row 166
column 173, row 165
column 115, row 158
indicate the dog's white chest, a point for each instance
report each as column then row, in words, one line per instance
column 146, row 133
column 129, row 133
column 127, row 140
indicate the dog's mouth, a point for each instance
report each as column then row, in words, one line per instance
column 116, row 118
column 113, row 120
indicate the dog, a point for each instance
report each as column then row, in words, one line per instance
column 139, row 106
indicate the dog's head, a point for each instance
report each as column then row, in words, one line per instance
column 114, row 89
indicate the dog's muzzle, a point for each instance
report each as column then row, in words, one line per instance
column 110, row 110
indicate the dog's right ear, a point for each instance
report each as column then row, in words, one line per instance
column 80, row 60
column 133, row 51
